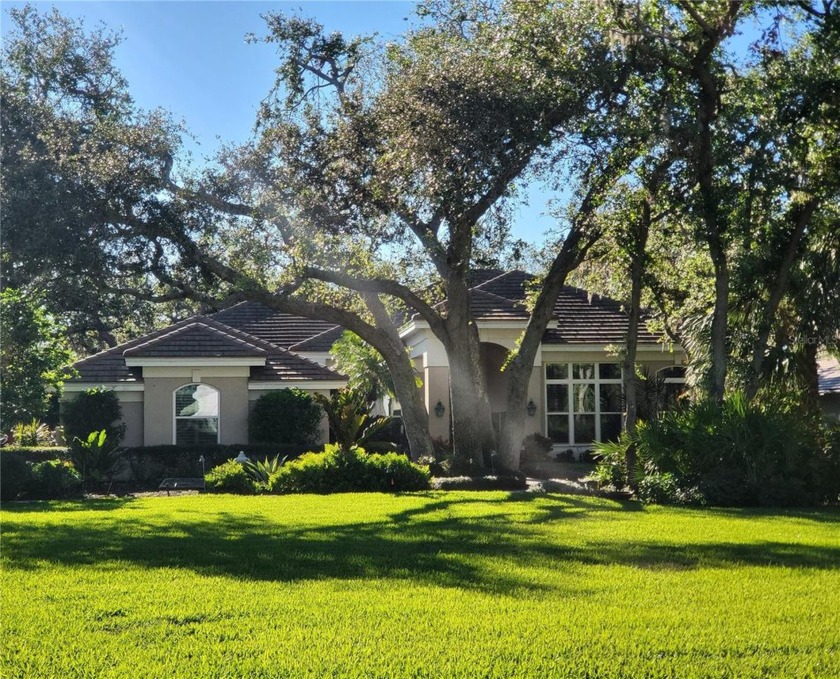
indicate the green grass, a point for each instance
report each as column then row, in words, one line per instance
column 426, row 585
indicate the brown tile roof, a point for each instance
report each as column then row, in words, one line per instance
column 582, row 318
column 288, row 366
column 321, row 342
column 579, row 318
column 196, row 339
column 282, row 330
column 200, row 336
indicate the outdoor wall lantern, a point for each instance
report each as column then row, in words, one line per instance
column 531, row 408
column 440, row 409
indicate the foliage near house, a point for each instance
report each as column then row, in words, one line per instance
column 230, row 477
column 285, row 416
column 739, row 453
column 417, row 585
column 96, row 409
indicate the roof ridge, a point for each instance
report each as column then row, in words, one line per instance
column 309, row 339
column 252, row 339
column 275, row 349
column 511, row 302
column 139, row 341
column 218, row 328
column 478, row 285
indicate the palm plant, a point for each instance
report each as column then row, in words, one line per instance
column 349, row 420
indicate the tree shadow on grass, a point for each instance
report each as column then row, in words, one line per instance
column 430, row 545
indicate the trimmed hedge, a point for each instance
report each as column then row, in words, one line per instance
column 334, row 471
column 36, row 474
column 37, row 453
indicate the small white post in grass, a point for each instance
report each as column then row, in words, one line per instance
column 203, row 473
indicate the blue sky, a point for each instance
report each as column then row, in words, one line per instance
column 192, row 59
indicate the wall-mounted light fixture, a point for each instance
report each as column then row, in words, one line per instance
column 531, row 408
column 440, row 409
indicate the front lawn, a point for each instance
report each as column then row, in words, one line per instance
column 426, row 585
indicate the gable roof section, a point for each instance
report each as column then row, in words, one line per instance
column 196, row 339
column 200, row 336
column 280, row 329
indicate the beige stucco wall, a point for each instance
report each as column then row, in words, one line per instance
column 324, row 431
column 436, row 388
column 132, row 410
column 160, row 385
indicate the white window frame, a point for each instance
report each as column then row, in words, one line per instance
column 175, row 417
column 570, row 381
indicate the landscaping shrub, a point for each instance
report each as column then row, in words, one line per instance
column 261, row 472
column 93, row 410
column 230, row 477
column 15, row 475
column 337, row 471
column 37, row 453
column 96, row 456
column 286, row 416
column 32, row 434
column 54, row 479
column 150, row 465
column 535, row 446
column 734, row 454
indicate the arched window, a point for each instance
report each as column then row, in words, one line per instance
column 196, row 415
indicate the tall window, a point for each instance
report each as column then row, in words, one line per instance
column 583, row 402
column 196, row 415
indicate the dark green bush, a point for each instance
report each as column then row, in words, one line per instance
column 336, row 471
column 15, row 475
column 54, row 479
column 286, row 416
column 93, row 410
column 230, row 477
column 732, row 454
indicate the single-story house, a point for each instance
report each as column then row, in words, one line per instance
column 196, row 381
